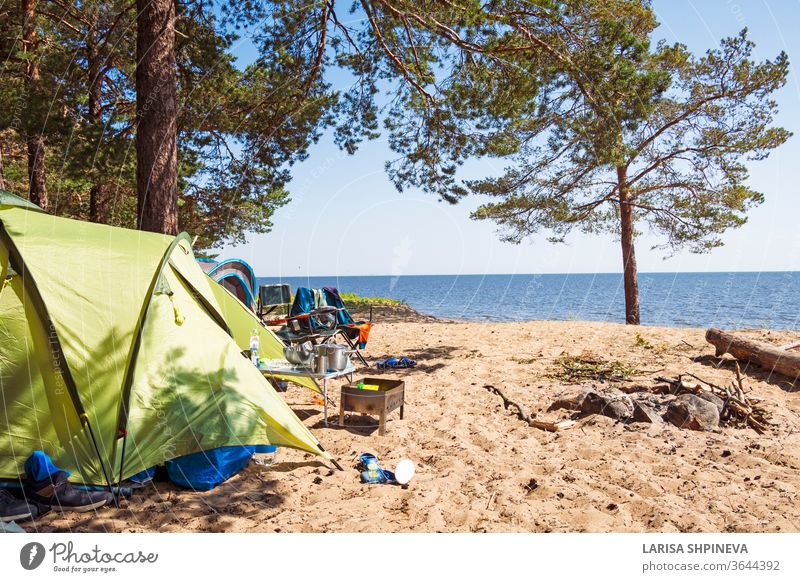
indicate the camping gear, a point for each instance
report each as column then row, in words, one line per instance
column 320, row 363
column 205, row 470
column 254, row 345
column 355, row 333
column 371, row 471
column 391, row 363
column 123, row 354
column 389, row 396
column 271, row 297
column 404, row 471
column 142, row 478
column 300, row 355
column 317, row 324
column 39, row 466
column 270, row 369
column 236, row 276
column 336, row 354
column 362, row 386
column 320, row 315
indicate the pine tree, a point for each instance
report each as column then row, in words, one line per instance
column 665, row 146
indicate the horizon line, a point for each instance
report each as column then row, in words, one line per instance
column 519, row 274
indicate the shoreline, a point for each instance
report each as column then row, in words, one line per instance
column 407, row 313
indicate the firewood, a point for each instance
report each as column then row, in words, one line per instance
column 552, row 426
column 737, row 408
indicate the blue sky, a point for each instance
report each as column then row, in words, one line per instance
column 346, row 218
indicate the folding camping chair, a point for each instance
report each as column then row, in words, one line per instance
column 271, row 297
column 319, row 315
column 303, row 321
column 354, row 333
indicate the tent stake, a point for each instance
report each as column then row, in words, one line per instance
column 335, row 464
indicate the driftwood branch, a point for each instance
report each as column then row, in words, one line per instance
column 523, row 416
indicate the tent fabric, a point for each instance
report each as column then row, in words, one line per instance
column 243, row 321
column 236, row 276
column 106, row 331
column 206, row 264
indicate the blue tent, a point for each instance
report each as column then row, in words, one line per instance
column 236, row 276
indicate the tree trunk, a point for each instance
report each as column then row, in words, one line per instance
column 37, row 185
column 98, row 195
column 156, row 114
column 630, row 274
column 98, row 203
column 2, row 170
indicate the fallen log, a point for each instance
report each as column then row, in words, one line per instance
column 768, row 356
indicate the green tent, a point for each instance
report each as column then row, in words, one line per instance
column 118, row 353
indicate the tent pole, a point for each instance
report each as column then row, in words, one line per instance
column 99, row 458
column 122, row 459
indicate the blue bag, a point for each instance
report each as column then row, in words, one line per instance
column 205, row 470
column 39, row 466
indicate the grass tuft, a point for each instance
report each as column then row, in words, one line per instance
column 589, row 367
column 355, row 302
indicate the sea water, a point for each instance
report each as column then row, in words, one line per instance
column 733, row 300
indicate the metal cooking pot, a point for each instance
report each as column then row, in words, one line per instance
column 299, row 356
column 336, row 354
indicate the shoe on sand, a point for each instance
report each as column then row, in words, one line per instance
column 371, row 471
column 13, row 509
column 57, row 492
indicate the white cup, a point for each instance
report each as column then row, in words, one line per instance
column 404, row 471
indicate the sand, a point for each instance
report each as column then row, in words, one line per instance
column 479, row 468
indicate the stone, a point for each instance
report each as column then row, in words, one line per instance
column 645, row 412
column 713, row 399
column 570, row 399
column 610, row 402
column 692, row 412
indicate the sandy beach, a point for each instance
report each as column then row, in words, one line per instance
column 479, row 468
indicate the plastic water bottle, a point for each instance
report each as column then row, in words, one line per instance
column 254, row 345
